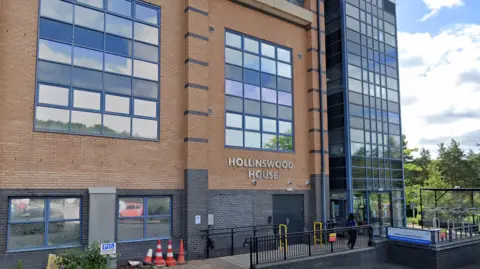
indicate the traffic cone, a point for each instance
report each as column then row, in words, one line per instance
column 181, row 254
column 170, row 260
column 148, row 257
column 159, row 261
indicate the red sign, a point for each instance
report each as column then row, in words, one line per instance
column 332, row 237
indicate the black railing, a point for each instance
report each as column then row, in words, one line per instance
column 454, row 234
column 270, row 248
column 230, row 241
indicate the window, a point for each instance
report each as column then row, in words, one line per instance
column 142, row 218
column 98, row 68
column 258, row 94
column 44, row 222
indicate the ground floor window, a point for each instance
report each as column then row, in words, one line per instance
column 44, row 222
column 142, row 218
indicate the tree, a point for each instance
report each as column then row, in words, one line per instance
column 453, row 165
column 283, row 142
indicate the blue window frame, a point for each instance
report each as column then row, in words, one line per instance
column 98, row 49
column 51, row 222
column 144, row 218
column 258, row 94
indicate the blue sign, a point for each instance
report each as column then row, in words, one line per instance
column 108, row 249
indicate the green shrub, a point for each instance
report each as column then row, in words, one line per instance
column 19, row 264
column 89, row 258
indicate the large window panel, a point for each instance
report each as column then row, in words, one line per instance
column 89, row 18
column 54, row 51
column 28, row 222
column 56, row 9
column 99, row 45
column 52, row 95
column 146, row 33
column 56, row 30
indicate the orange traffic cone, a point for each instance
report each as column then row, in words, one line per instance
column 181, row 254
column 159, row 261
column 148, row 257
column 170, row 260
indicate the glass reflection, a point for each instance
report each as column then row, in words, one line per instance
column 55, row 30
column 145, row 128
column 269, row 141
column 146, row 14
column 119, row 26
column 234, row 120
column 146, row 33
column 54, row 73
column 145, row 108
column 285, row 127
column 88, row 58
column 268, row 66
column 89, row 38
column 285, row 142
column 251, row 77
column 56, row 9
column 233, row 104
column 145, row 70
column 89, row 79
column 52, row 119
column 158, row 227
column 285, row 98
column 233, row 40
column 252, row 107
column 89, row 18
column 269, row 95
column 116, row 125
column 233, row 138
column 284, row 70
column 269, row 125
column 233, row 56
column 285, row 113
column 146, row 52
column 269, row 110
column 87, row 100
column 251, row 61
column 52, row 95
column 85, row 122
column 250, row 45
column 118, row 64
column 268, row 50
column 94, row 3
column 284, row 84
column 251, row 91
column 117, row 104
column 233, row 87
column 24, row 210
column 53, row 51
column 252, row 123
column 252, row 140
column 121, row 7
column 283, row 55
column 117, row 84
column 144, row 88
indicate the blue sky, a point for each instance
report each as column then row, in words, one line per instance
column 439, row 54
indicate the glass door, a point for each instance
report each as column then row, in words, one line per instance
column 380, row 211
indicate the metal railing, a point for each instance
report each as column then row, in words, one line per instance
column 224, row 241
column 465, row 231
column 270, row 248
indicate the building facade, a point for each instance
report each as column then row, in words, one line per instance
column 365, row 142
column 132, row 121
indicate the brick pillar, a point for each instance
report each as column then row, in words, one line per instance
column 196, row 115
column 317, row 107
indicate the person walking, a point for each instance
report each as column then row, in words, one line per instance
column 352, row 233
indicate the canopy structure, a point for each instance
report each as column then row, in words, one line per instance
column 455, row 205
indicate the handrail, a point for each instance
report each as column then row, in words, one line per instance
column 240, row 227
column 242, row 231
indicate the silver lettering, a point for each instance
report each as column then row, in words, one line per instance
column 239, row 162
column 251, row 174
column 258, row 163
column 290, row 165
column 258, row 174
column 265, row 174
column 275, row 175
column 270, row 164
column 264, row 163
column 278, row 164
column 231, row 161
column 284, row 164
column 270, row 175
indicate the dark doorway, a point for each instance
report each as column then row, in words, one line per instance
column 288, row 209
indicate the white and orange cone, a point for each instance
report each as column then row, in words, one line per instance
column 170, row 261
column 148, row 257
column 159, row 261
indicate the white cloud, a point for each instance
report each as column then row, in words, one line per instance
column 431, row 71
column 434, row 6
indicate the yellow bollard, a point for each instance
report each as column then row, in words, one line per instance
column 285, row 232
column 317, row 229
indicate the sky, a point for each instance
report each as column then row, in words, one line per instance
column 439, row 54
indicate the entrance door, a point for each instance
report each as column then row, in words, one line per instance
column 288, row 209
column 380, row 211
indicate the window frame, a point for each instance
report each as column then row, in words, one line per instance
column 144, row 218
column 244, row 114
column 46, row 222
column 70, row 108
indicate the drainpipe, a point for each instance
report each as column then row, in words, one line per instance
column 323, row 191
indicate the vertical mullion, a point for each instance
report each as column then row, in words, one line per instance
column 134, row 15
column 145, row 219
column 103, row 99
column 243, row 91
column 46, row 215
column 72, row 43
column 261, row 95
